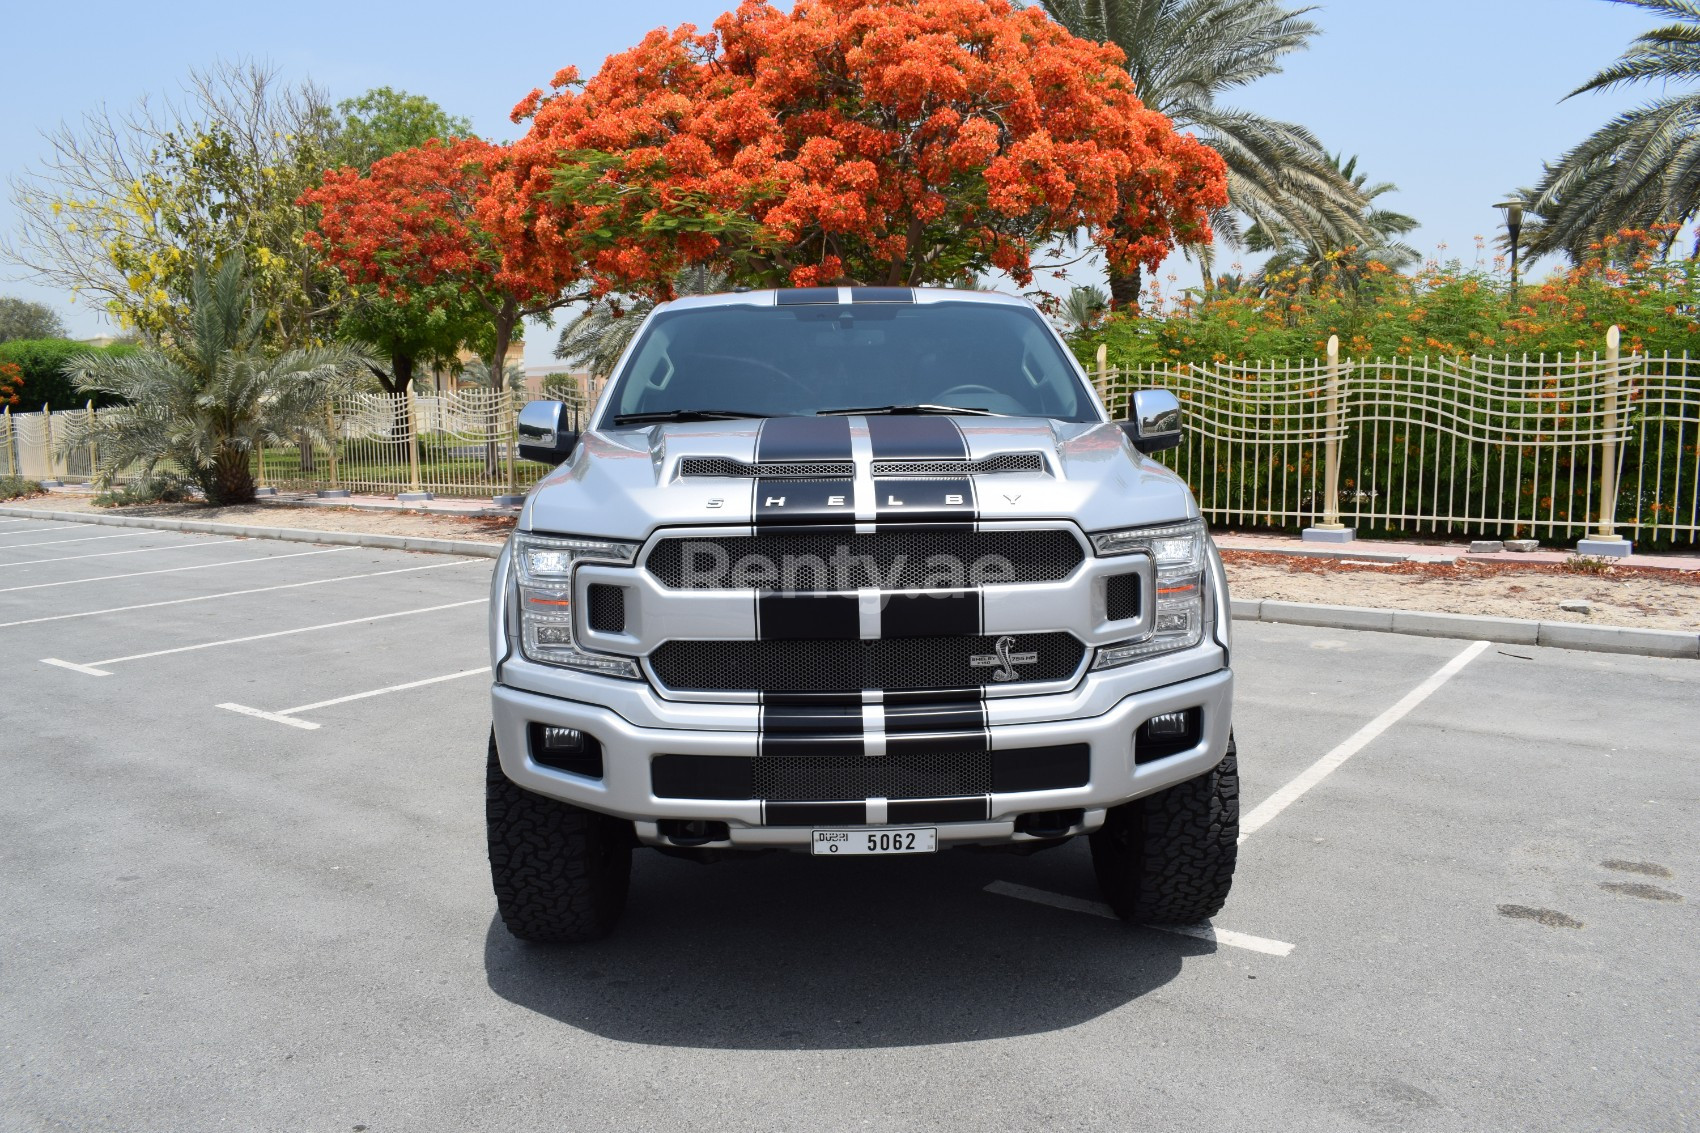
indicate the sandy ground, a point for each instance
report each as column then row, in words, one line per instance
column 485, row 529
column 1623, row 596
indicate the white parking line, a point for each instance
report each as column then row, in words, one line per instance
column 1328, row 764
column 174, row 570
column 134, row 551
column 233, row 593
column 93, row 668
column 1099, row 909
column 78, row 539
column 287, row 715
column 57, row 526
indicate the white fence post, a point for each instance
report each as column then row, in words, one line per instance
column 1104, row 373
column 1606, row 540
column 1330, row 529
column 11, row 441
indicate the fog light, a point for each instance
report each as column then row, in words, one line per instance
column 1168, row 726
column 566, row 749
column 1168, row 734
column 562, row 739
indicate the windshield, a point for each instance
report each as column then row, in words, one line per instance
column 807, row 359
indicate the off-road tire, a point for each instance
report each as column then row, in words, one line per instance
column 1168, row 858
column 560, row 872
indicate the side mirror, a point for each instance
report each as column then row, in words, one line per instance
column 545, row 433
column 1156, row 423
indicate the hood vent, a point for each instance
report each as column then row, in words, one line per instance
column 831, row 469
column 726, row 466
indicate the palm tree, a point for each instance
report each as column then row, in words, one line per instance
column 1183, row 54
column 1083, row 308
column 1379, row 244
column 599, row 335
column 203, row 401
column 1643, row 167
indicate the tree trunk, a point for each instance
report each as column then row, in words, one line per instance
column 1125, row 288
column 401, row 371
column 506, row 320
column 232, row 479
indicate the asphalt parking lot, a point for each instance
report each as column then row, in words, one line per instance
column 244, row 887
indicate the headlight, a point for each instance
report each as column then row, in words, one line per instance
column 543, row 570
column 1177, row 552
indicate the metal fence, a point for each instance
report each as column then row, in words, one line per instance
column 1551, row 447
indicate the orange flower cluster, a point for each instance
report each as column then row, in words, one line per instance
column 874, row 141
column 11, row 382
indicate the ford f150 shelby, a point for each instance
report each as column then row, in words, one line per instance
column 856, row 570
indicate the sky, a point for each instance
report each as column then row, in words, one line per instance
column 1457, row 102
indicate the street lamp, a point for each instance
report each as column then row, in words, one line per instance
column 1512, row 211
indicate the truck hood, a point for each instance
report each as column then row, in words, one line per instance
column 624, row 483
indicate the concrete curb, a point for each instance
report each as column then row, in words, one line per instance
column 1506, row 631
column 251, row 531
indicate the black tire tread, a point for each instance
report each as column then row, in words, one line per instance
column 560, row 872
column 1169, row 858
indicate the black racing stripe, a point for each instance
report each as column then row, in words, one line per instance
column 823, row 504
column 815, row 814
column 807, row 617
column 805, row 296
column 882, row 295
column 702, row 777
column 811, row 729
column 938, row 810
column 940, row 613
column 941, row 742
column 932, row 501
column 916, row 438
column 936, row 716
column 803, row 438
column 1041, row 768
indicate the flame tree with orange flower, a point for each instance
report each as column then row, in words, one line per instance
column 867, row 141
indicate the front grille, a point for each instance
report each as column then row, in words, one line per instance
column 1121, row 594
column 853, row 665
column 887, row 560
column 726, row 466
column 804, row 778
column 607, row 608
column 1003, row 462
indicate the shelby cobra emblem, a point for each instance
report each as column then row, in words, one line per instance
column 1003, row 660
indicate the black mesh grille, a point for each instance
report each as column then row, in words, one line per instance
column 1003, row 462
column 726, row 466
column 846, row 666
column 803, row 778
column 899, row 559
column 1122, row 593
column 607, row 608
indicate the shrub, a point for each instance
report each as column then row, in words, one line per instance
column 41, row 365
column 16, row 487
column 160, row 488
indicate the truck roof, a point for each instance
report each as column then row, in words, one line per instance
column 821, row 296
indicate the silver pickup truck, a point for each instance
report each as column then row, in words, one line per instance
column 853, row 571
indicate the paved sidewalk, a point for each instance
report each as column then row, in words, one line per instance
column 1379, row 550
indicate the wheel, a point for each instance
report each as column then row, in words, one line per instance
column 1168, row 858
column 560, row 872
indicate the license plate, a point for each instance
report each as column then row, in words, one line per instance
column 849, row 843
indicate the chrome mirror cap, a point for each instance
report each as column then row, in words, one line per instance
column 1156, row 423
column 545, row 434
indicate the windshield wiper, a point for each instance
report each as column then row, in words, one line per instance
column 907, row 411
column 685, row 415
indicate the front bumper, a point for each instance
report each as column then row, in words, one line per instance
column 625, row 789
